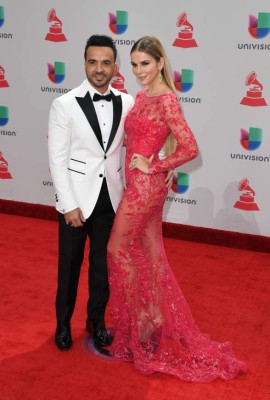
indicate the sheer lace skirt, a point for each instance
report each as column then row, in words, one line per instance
column 152, row 323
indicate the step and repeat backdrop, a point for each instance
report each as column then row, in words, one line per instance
column 220, row 58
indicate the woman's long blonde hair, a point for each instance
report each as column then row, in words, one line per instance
column 152, row 46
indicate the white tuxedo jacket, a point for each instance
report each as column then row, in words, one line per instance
column 77, row 158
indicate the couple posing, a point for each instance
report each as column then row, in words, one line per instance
column 152, row 323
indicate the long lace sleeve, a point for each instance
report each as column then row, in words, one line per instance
column 186, row 148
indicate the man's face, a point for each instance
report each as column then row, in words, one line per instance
column 100, row 67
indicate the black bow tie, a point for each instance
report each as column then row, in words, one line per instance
column 98, row 97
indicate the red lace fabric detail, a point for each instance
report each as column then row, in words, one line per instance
column 152, row 323
column 149, row 123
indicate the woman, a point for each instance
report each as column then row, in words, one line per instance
column 152, row 323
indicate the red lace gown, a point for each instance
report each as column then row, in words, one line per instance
column 152, row 324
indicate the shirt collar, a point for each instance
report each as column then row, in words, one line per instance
column 92, row 90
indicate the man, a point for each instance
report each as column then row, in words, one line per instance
column 85, row 143
column 86, row 133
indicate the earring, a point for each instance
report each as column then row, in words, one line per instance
column 160, row 77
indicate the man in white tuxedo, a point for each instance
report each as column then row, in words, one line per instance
column 86, row 131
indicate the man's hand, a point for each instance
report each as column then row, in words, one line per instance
column 169, row 179
column 74, row 218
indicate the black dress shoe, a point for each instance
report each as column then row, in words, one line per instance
column 63, row 339
column 100, row 335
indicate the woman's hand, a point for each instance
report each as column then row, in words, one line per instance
column 169, row 179
column 140, row 162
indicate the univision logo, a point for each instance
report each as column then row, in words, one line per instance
column 251, row 139
column 2, row 16
column 3, row 115
column 118, row 23
column 183, row 81
column 56, row 72
column 4, row 35
column 180, row 183
column 259, row 27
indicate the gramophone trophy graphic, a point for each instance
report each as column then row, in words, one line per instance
column 3, row 82
column 55, row 32
column 185, row 36
column 118, row 82
column 253, row 97
column 4, row 174
column 246, row 201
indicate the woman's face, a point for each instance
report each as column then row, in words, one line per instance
column 145, row 67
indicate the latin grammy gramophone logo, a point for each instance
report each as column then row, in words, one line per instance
column 254, row 97
column 259, row 27
column 3, row 81
column 185, row 36
column 55, row 31
column 4, row 173
column 118, row 82
column 247, row 197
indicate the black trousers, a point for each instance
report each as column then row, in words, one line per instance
column 71, row 253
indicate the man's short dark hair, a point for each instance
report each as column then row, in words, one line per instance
column 101, row 41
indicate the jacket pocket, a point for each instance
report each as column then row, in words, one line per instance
column 77, row 169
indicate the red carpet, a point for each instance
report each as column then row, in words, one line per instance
column 175, row 231
column 227, row 289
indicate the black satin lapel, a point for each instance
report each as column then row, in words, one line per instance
column 117, row 113
column 88, row 108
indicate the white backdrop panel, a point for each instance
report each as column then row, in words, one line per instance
column 224, row 55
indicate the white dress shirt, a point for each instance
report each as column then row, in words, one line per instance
column 104, row 111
